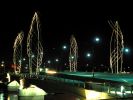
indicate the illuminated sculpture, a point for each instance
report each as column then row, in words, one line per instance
column 73, row 54
column 17, row 53
column 116, row 48
column 34, row 46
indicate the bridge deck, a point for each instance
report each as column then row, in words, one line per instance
column 85, row 76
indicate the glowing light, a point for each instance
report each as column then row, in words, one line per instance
column 13, row 83
column 41, row 53
column 2, row 62
column 41, row 69
column 120, row 92
column 94, row 95
column 32, row 56
column 24, row 59
column 64, row 47
column 126, row 50
column 122, row 89
column 73, row 54
column 97, row 39
column 49, row 61
column 1, row 96
column 32, row 91
column 46, row 69
column 17, row 52
column 8, row 77
column 88, row 55
column 57, row 60
column 34, row 45
column 72, row 57
column 2, row 65
column 21, row 84
column 19, row 61
column 13, row 86
column 51, row 72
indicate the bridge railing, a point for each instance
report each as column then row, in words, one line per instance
column 112, row 88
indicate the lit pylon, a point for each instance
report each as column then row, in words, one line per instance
column 34, row 46
column 17, row 52
column 116, row 48
column 73, row 54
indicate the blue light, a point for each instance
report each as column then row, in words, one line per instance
column 126, row 50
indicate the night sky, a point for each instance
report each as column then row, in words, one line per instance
column 59, row 20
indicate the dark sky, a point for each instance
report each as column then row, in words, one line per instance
column 59, row 20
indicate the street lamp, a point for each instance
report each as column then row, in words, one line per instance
column 3, row 65
column 24, row 59
column 49, row 61
column 57, row 60
column 126, row 50
column 64, row 47
column 88, row 55
column 126, row 56
column 97, row 39
column 56, row 65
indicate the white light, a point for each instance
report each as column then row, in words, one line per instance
column 57, row 60
column 41, row 69
column 8, row 77
column 49, row 61
column 64, row 47
column 122, row 89
column 94, row 95
column 46, row 69
column 41, row 53
column 88, row 54
column 32, row 91
column 72, row 57
column 33, row 56
column 19, row 61
column 2, row 62
column 24, row 59
column 2, row 65
column 97, row 39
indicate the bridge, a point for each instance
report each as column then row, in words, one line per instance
column 85, row 84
